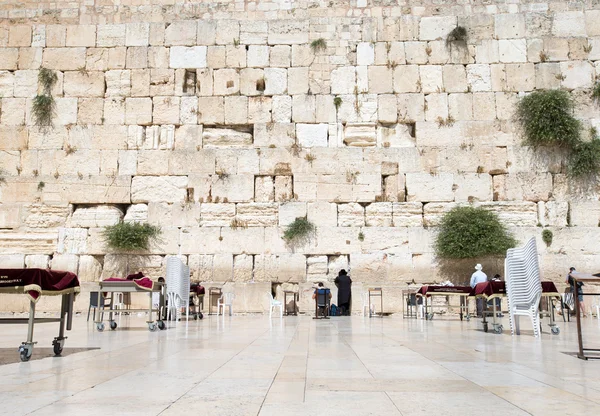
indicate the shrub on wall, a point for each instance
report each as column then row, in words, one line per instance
column 469, row 232
column 130, row 236
column 546, row 119
column 299, row 230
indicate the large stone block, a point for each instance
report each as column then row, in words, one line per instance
column 407, row 214
column 96, row 216
column 258, row 214
column 181, row 33
column 512, row 50
column 351, row 215
column 438, row 27
column 426, row 187
column 213, row 137
column 187, row 57
column 288, row 32
column 110, row 35
column 569, row 24
column 158, row 189
column 312, row 135
column 378, row 214
column 238, row 188
column 519, row 214
column 63, row 59
column 577, row 74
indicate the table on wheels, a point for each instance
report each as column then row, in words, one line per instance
column 143, row 285
column 583, row 278
column 429, row 291
column 294, row 296
column 214, row 294
column 375, row 292
column 36, row 283
column 494, row 290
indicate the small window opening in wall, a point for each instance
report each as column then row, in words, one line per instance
column 189, row 82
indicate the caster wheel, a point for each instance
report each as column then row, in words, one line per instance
column 468, row 318
column 200, row 315
column 152, row 327
column 430, row 316
column 161, row 325
column 25, row 353
column 196, row 317
column 100, row 326
column 57, row 349
column 485, row 327
column 555, row 330
column 498, row 329
column 113, row 325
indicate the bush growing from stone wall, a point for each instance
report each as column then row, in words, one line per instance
column 469, row 232
column 129, row 236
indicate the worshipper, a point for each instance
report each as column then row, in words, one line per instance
column 571, row 283
column 344, row 285
column 478, row 277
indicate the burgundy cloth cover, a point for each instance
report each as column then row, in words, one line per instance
column 143, row 283
column 428, row 290
column 487, row 289
column 40, row 279
column 138, row 275
column 197, row 289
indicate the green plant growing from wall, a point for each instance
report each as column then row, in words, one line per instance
column 361, row 236
column 546, row 119
column 43, row 104
column 318, row 45
column 2, row 176
column 547, row 237
column 41, row 186
column 129, row 236
column 337, row 102
column 457, row 37
column 298, row 230
column 470, row 232
column 584, row 160
column 596, row 92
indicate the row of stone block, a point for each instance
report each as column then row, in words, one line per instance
column 295, row 31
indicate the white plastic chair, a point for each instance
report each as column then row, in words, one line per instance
column 523, row 285
column 274, row 303
column 178, row 287
column 226, row 300
column 365, row 301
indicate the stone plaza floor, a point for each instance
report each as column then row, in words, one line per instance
column 245, row 365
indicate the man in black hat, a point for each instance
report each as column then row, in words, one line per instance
column 344, row 285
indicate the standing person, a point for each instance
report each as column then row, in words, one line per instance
column 478, row 277
column 571, row 283
column 344, row 285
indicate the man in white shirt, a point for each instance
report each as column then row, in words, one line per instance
column 478, row 277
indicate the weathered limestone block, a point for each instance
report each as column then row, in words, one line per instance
column 96, row 216
column 45, row 215
column 118, row 83
column 512, row 50
column 323, row 214
column 289, row 211
column 201, row 267
column 288, row 32
column 283, row 188
column 360, row 134
column 282, row 109
column 436, row 107
column 351, row 215
column 259, row 109
column 137, row 34
column 90, row 84
column 242, row 267
column 63, row 59
column 13, row 261
column 380, row 80
column 72, row 241
column 394, row 188
column 569, row 24
column 528, row 186
column 585, row 213
column 397, row 135
column 316, row 268
column 151, row 162
column 434, row 211
column 276, row 81
column 472, row 187
column 216, row 215
column 378, row 214
column 136, row 213
column 479, row 77
column 238, row 188
column 460, row 106
column 577, row 74
column 278, row 134
column 264, row 189
column 304, row 108
column 509, row 26
column 291, row 267
column 90, row 269
column 253, row 32
column 158, row 189
column 426, row 187
column 406, row 79
column 519, row 214
column 337, row 263
column 110, row 35
column 187, row 57
column 438, row 27
column 257, row 214
column 407, row 214
column 553, row 213
column 343, row 80
column 37, row 261
column 212, row 137
column 258, row 56
column 181, row 33
column 431, row 78
column 65, row 262
column 312, row 135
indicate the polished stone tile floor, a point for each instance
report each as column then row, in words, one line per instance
column 245, row 365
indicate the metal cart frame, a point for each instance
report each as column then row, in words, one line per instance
column 113, row 287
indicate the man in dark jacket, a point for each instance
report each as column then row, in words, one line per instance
column 344, row 285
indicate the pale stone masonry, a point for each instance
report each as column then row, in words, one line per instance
column 200, row 116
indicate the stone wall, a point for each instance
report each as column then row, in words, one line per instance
column 197, row 116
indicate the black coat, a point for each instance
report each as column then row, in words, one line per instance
column 344, row 284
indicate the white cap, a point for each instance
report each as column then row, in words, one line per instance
column 478, row 266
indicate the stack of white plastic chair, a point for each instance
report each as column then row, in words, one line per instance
column 523, row 285
column 178, row 287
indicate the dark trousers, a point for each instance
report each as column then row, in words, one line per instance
column 479, row 306
column 345, row 308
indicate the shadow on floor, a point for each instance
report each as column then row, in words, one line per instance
column 11, row 355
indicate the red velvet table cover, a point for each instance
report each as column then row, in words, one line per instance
column 428, row 290
column 497, row 289
column 37, row 282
